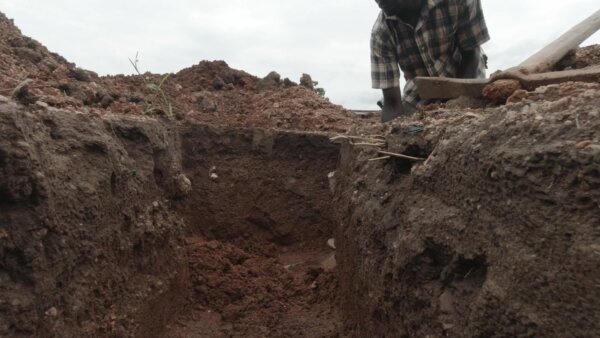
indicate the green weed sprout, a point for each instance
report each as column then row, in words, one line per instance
column 155, row 88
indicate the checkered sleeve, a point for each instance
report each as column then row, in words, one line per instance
column 472, row 30
column 384, row 64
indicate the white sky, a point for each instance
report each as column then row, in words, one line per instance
column 328, row 39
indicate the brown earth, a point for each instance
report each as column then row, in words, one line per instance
column 100, row 197
column 581, row 58
column 494, row 235
column 210, row 92
column 119, row 220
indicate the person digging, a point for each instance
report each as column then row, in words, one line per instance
column 439, row 38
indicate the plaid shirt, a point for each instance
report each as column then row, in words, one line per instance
column 432, row 48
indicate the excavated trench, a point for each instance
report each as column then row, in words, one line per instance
column 258, row 220
column 122, row 226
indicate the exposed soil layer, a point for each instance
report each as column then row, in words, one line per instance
column 101, row 197
column 88, row 242
column 260, row 216
column 495, row 235
column 123, row 250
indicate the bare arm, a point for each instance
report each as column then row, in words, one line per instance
column 392, row 104
column 470, row 64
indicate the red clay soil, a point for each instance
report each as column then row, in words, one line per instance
column 236, row 293
column 260, row 216
column 207, row 92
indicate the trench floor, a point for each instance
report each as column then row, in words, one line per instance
column 251, row 290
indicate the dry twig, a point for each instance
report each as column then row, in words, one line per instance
column 368, row 144
column 380, row 158
column 406, row 157
column 357, row 138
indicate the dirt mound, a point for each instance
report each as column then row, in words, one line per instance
column 209, row 92
column 581, row 58
column 54, row 80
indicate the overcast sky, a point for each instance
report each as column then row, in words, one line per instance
column 328, row 39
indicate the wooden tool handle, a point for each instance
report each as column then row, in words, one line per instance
column 531, row 82
column 549, row 56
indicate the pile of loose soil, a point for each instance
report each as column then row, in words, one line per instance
column 581, row 58
column 209, row 92
column 237, row 293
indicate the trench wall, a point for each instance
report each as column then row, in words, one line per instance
column 94, row 213
column 261, row 184
column 88, row 244
column 495, row 235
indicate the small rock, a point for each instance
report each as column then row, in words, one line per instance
column 218, row 83
column 494, row 175
column 270, row 82
column 583, row 144
column 183, row 185
column 80, row 74
column 332, row 181
column 21, row 93
column 155, row 204
column 105, row 99
column 214, row 245
column 214, row 176
column 287, row 83
column 501, row 90
column 593, row 148
column 42, row 104
column 205, row 104
column 447, row 326
column 331, row 243
column 306, row 81
column 229, row 77
column 52, row 312
column 518, row 96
